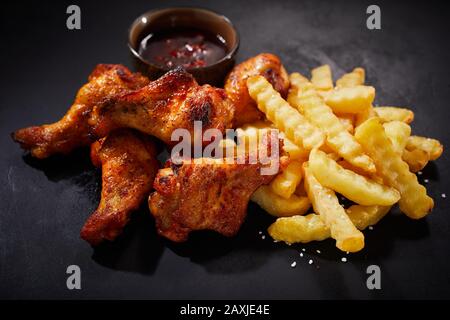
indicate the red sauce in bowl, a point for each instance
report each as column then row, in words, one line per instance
column 189, row 48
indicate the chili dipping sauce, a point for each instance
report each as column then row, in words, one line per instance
column 189, row 48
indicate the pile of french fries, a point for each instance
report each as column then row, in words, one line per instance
column 338, row 142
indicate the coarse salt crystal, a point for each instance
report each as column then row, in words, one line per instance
column 301, row 254
column 444, row 195
column 370, row 227
column 263, row 237
column 318, row 251
column 419, row 173
column 344, row 259
column 293, row 264
column 303, row 249
column 260, row 232
column 425, row 180
column 310, row 261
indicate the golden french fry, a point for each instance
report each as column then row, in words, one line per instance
column 279, row 206
column 364, row 115
column 416, row 159
column 299, row 229
column 326, row 204
column 352, row 79
column 346, row 165
column 321, row 78
column 312, row 228
column 295, row 152
column 347, row 120
column 432, row 147
column 338, row 138
column 298, row 79
column 364, row 216
column 351, row 185
column 350, row 99
column 286, row 118
column 398, row 132
column 414, row 201
column 285, row 183
column 333, row 156
column 387, row 114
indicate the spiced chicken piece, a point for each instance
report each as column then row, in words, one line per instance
column 174, row 101
column 210, row 195
column 129, row 165
column 72, row 131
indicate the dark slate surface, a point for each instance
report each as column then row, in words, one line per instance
column 43, row 204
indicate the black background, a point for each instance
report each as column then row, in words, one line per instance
column 44, row 204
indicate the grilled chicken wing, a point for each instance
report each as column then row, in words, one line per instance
column 265, row 64
column 72, row 130
column 173, row 101
column 211, row 196
column 129, row 165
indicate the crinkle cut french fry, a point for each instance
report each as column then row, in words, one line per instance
column 416, row 159
column 387, row 114
column 398, row 132
column 286, row 118
column 299, row 229
column 364, row 216
column 414, row 201
column 420, row 150
column 326, row 204
column 364, row 115
column 346, row 165
column 295, row 152
column 347, row 120
column 321, row 78
column 312, row 228
column 352, row 79
column 285, row 183
column 431, row 146
column 252, row 132
column 338, row 138
column 351, row 99
column 279, row 206
column 351, row 185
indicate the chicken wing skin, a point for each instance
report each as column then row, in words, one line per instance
column 173, row 101
column 72, row 130
column 209, row 196
column 129, row 165
column 265, row 64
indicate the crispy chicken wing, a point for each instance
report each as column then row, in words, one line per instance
column 173, row 101
column 211, row 196
column 72, row 130
column 129, row 165
column 265, row 64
